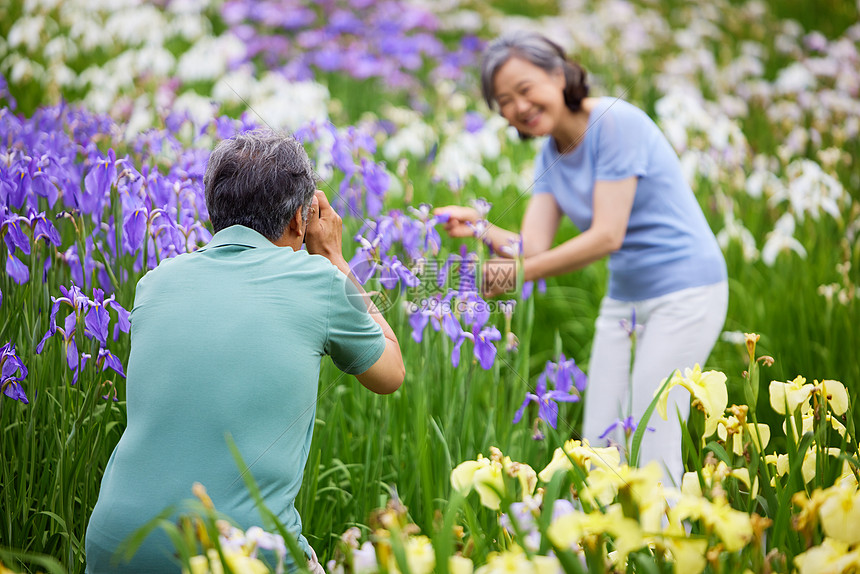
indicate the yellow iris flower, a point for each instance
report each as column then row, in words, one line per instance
column 840, row 514
column 420, row 556
column 837, row 396
column 791, row 394
column 603, row 484
column 831, row 556
column 463, row 476
column 741, row 433
column 795, row 394
column 459, row 564
column 807, row 420
column 569, row 529
column 484, row 476
column 238, row 562
column 732, row 526
column 708, row 389
column 713, row 475
column 515, row 561
column 688, row 553
column 584, row 455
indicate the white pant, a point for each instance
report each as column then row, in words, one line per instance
column 675, row 331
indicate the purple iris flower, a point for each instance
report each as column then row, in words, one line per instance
column 419, row 320
column 12, row 372
column 174, row 121
column 7, row 185
column 167, row 236
column 430, row 312
column 485, row 350
column 97, row 184
column 70, row 256
column 5, row 94
column 74, row 298
column 363, row 264
column 14, row 235
column 341, row 154
column 41, row 183
column 96, row 324
column 628, row 425
column 44, row 229
column 474, row 310
column 455, row 352
column 17, row 270
column 631, row 327
column 17, row 196
column 569, row 374
column 466, row 266
column 329, row 59
column 393, row 271
column 450, row 324
column 89, row 264
column 313, row 130
column 411, row 235
column 376, row 181
column 546, row 399
column 522, row 515
column 134, row 229
column 123, row 319
column 344, row 22
column 108, row 360
column 97, row 318
column 69, row 340
column 432, row 239
column 528, row 288
column 473, row 122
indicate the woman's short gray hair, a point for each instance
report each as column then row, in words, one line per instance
column 540, row 51
column 258, row 179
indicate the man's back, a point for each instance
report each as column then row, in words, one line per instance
column 225, row 340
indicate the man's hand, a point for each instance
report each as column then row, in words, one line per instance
column 323, row 237
column 325, row 228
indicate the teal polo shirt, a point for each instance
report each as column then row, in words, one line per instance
column 227, row 339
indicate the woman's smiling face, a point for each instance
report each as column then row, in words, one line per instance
column 529, row 97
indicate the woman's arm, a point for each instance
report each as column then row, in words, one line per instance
column 540, row 224
column 538, row 230
column 613, row 201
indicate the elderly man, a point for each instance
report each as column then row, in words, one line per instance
column 228, row 339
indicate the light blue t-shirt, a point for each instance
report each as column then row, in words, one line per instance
column 668, row 245
column 227, row 339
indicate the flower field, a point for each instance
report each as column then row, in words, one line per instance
column 108, row 111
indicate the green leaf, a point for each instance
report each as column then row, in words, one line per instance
column 643, row 422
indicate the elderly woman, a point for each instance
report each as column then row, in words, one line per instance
column 608, row 167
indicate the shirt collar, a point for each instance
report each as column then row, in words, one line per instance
column 239, row 235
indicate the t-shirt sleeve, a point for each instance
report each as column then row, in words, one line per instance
column 353, row 339
column 622, row 145
column 541, row 182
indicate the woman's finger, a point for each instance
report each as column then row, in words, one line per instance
column 457, row 213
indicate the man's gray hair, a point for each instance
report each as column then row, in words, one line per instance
column 258, row 179
column 538, row 50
